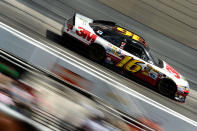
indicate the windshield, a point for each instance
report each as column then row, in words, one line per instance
column 155, row 60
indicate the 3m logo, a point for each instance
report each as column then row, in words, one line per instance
column 86, row 34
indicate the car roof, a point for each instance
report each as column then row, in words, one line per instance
column 121, row 30
column 131, row 35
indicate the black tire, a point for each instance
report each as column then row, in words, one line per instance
column 167, row 87
column 97, row 53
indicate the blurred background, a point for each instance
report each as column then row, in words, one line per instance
column 30, row 96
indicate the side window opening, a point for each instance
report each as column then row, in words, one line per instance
column 136, row 50
column 144, row 56
column 109, row 35
column 115, row 40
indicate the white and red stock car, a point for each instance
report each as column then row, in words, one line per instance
column 127, row 51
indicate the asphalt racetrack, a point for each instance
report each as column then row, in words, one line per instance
column 43, row 21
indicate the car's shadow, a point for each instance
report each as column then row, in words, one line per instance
column 74, row 45
column 67, row 42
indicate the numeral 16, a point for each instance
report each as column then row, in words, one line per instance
column 130, row 64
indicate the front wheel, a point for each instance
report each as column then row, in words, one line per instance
column 167, row 87
column 97, row 53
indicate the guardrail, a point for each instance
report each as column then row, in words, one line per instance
column 119, row 96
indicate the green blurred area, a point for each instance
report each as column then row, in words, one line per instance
column 5, row 69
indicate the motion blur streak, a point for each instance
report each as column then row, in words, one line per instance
column 54, row 105
column 108, row 80
column 168, row 48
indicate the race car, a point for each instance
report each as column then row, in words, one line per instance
column 107, row 42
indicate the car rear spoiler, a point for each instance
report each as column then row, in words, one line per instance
column 81, row 19
column 77, row 19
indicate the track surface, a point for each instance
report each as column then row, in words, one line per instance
column 38, row 27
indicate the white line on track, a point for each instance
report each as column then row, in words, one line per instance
column 95, row 73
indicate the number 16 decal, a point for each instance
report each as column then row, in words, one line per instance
column 130, row 64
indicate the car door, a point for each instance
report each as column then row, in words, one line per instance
column 140, row 66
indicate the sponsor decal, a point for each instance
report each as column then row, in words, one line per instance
column 114, row 50
column 136, row 37
column 130, row 64
column 132, row 35
column 122, row 45
column 86, row 34
column 99, row 32
column 180, row 88
column 147, row 69
column 119, row 52
column 173, row 71
column 153, row 74
column 134, row 66
column 124, row 32
column 108, row 49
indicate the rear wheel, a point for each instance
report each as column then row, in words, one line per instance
column 167, row 87
column 97, row 53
